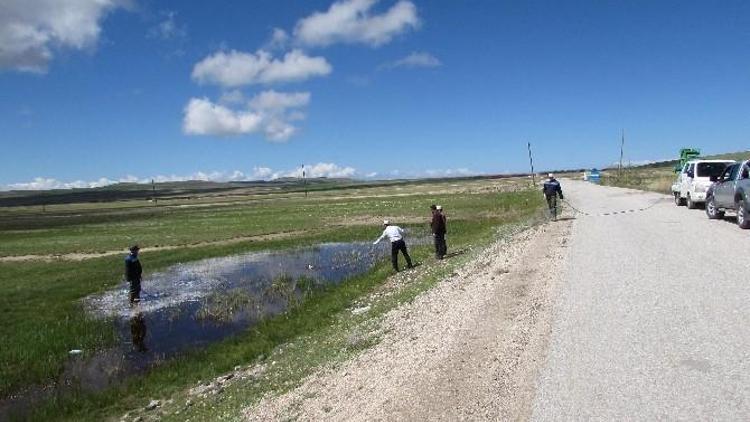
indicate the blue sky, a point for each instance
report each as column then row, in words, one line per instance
column 95, row 92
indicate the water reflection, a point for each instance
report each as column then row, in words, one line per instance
column 138, row 332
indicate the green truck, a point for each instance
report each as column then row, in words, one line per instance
column 686, row 154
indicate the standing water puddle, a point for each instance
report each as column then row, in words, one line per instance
column 201, row 302
column 191, row 305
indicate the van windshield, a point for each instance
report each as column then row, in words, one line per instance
column 710, row 169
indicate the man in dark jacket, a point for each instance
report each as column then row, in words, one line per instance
column 133, row 272
column 551, row 191
column 438, row 231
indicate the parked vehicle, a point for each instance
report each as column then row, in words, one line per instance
column 686, row 154
column 593, row 175
column 729, row 192
column 694, row 180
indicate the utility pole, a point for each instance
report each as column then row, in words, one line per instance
column 622, row 151
column 304, row 179
column 531, row 164
column 153, row 191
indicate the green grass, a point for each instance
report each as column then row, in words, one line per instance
column 41, row 301
column 108, row 232
column 651, row 179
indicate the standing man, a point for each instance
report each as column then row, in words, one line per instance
column 396, row 235
column 438, row 231
column 133, row 272
column 551, row 190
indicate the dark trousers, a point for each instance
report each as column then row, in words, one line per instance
column 440, row 247
column 135, row 290
column 397, row 246
column 552, row 204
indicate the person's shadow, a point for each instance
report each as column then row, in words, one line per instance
column 138, row 332
column 454, row 253
column 565, row 218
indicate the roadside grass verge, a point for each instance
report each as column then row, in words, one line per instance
column 649, row 179
column 332, row 345
column 38, row 341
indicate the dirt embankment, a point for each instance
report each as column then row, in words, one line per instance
column 468, row 349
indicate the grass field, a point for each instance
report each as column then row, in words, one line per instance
column 41, row 302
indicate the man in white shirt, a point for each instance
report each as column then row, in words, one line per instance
column 396, row 235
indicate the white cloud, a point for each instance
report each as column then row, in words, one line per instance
column 41, row 183
column 261, row 173
column 232, row 97
column 202, row 117
column 431, row 173
column 269, row 112
column 415, row 59
column 279, row 39
column 257, row 173
column 31, row 30
column 448, row 172
column 236, row 68
column 168, row 28
column 272, row 100
column 352, row 21
column 329, row 170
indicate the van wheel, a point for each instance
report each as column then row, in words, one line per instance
column 712, row 211
column 677, row 199
column 690, row 204
column 743, row 219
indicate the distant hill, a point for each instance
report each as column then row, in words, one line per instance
column 738, row 156
column 195, row 188
column 137, row 191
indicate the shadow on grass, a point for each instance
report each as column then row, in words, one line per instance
column 455, row 253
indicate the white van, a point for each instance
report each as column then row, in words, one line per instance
column 695, row 179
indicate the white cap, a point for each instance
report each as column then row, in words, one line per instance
column 439, row 207
column 550, row 175
column 386, row 222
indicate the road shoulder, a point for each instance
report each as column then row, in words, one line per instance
column 469, row 348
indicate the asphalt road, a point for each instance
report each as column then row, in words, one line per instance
column 652, row 321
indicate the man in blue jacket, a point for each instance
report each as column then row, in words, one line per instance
column 552, row 190
column 133, row 273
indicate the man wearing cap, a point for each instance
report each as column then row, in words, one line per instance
column 438, row 231
column 133, row 272
column 396, row 235
column 552, row 190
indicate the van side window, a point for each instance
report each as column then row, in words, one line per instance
column 733, row 172
column 728, row 172
column 745, row 173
